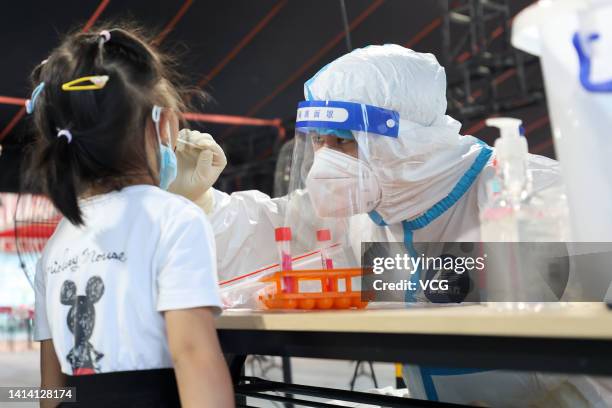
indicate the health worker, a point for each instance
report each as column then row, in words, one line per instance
column 374, row 147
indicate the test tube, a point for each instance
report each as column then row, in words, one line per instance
column 283, row 242
column 323, row 240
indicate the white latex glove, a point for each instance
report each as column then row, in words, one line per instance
column 200, row 162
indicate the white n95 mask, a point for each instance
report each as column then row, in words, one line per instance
column 340, row 185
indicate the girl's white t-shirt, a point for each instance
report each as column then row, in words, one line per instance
column 101, row 288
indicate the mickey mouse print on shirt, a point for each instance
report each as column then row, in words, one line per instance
column 81, row 321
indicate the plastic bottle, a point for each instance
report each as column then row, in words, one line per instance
column 505, row 189
column 572, row 39
column 283, row 242
column 516, row 213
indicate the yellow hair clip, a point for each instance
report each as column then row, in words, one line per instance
column 96, row 82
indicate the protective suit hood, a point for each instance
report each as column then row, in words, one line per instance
column 425, row 162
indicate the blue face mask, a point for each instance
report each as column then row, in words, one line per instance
column 168, row 167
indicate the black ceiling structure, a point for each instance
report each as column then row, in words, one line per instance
column 253, row 56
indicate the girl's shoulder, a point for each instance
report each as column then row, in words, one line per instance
column 161, row 200
column 167, row 208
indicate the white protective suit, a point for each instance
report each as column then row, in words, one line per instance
column 430, row 174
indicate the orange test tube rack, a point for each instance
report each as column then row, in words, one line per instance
column 273, row 297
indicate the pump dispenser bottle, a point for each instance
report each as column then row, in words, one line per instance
column 516, row 213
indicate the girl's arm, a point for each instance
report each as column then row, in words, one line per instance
column 201, row 371
column 50, row 372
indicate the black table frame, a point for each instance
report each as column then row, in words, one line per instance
column 552, row 354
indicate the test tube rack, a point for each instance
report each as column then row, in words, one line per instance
column 329, row 297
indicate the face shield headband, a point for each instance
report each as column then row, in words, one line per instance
column 342, row 116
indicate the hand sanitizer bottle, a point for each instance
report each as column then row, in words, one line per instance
column 517, row 214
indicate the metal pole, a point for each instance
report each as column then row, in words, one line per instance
column 347, row 28
column 287, row 378
column 446, row 47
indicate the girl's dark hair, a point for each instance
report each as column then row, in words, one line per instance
column 108, row 150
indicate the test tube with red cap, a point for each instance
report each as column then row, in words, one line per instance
column 324, row 240
column 283, row 242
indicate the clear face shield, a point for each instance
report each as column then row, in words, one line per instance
column 330, row 183
column 333, row 145
column 331, row 180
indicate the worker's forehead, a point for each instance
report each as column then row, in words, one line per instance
column 323, row 132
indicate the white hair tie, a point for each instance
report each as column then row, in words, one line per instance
column 105, row 36
column 66, row 133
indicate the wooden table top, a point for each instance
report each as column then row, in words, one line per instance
column 578, row 320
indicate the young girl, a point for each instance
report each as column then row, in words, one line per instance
column 126, row 289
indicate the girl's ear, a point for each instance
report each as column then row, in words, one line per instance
column 169, row 127
column 150, row 130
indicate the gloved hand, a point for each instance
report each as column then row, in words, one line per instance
column 200, row 162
